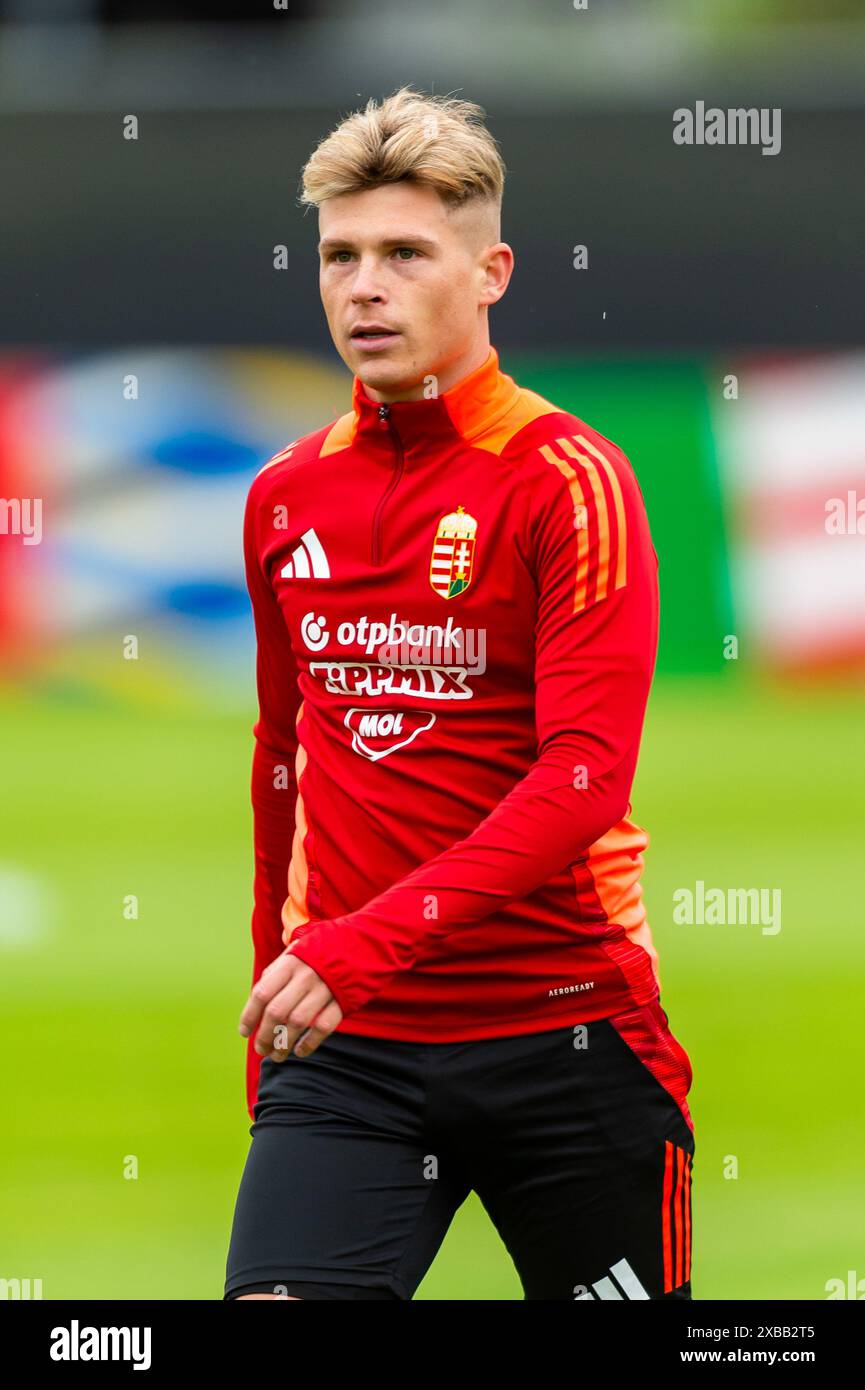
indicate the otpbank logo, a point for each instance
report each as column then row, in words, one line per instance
column 441, row 641
column 435, row 662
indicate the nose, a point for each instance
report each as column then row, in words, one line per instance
column 365, row 284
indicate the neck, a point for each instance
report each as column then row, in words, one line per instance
column 465, row 410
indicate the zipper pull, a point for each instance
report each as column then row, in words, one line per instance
column 383, row 412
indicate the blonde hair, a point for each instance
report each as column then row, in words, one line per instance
column 439, row 141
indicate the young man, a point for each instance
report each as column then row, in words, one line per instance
column 455, row 599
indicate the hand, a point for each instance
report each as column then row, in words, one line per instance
column 288, row 998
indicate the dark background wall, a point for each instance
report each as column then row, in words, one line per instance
column 169, row 238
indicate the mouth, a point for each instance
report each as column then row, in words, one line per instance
column 370, row 339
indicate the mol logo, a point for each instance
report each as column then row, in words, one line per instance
column 375, row 733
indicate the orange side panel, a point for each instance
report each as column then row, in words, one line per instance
column 295, row 909
column 615, row 862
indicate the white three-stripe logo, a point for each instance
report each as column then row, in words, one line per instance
column 308, row 560
column 606, row 1288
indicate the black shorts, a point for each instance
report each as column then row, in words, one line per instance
column 578, row 1141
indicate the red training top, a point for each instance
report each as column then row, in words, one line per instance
column 456, row 609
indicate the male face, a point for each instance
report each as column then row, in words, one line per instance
column 397, row 257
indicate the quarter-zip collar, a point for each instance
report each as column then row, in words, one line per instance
column 465, row 411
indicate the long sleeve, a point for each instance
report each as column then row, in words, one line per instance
column 274, row 782
column 595, row 647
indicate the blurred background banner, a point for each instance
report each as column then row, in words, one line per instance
column 162, row 336
column 794, row 471
column 142, row 460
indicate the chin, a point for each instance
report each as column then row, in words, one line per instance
column 378, row 372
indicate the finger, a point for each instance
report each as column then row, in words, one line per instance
column 300, row 1020
column 322, row 1027
column 271, row 980
column 290, row 1012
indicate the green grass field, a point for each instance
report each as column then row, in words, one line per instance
column 119, row 1037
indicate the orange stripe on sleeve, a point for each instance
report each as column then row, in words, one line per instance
column 600, row 510
column 579, row 504
column 619, row 504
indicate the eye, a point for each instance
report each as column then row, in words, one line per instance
column 398, row 251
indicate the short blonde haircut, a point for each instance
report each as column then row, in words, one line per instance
column 438, row 141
